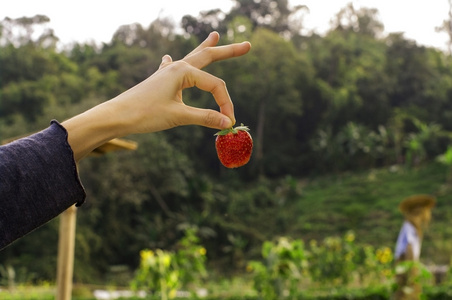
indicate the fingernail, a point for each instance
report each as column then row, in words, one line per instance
column 212, row 34
column 166, row 58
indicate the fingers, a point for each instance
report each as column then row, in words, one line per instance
column 207, row 55
column 206, row 117
column 217, row 87
column 210, row 41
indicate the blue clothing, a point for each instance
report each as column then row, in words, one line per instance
column 408, row 236
column 38, row 181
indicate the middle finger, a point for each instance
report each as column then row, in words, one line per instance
column 207, row 55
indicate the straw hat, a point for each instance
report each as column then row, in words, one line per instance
column 417, row 203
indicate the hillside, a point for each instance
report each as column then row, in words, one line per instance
column 366, row 203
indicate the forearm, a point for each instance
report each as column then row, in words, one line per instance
column 156, row 103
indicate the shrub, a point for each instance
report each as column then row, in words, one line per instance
column 166, row 272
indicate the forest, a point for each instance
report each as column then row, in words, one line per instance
column 321, row 109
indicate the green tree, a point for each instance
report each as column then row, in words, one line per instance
column 267, row 95
column 277, row 15
column 21, row 31
column 446, row 27
column 206, row 22
column 410, row 71
column 363, row 21
column 351, row 78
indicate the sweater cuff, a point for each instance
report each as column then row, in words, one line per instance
column 55, row 123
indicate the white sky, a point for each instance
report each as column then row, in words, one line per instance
column 97, row 20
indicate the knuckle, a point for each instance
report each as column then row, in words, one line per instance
column 207, row 53
column 180, row 65
column 219, row 86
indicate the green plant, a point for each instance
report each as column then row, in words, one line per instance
column 341, row 260
column 284, row 265
column 167, row 271
column 446, row 159
column 333, row 260
column 7, row 276
column 336, row 261
column 190, row 258
column 415, row 274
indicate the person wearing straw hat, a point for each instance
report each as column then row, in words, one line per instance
column 417, row 212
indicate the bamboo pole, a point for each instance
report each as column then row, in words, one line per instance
column 66, row 246
column 66, row 242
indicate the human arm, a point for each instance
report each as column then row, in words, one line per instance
column 408, row 243
column 38, row 176
column 38, row 181
column 156, row 103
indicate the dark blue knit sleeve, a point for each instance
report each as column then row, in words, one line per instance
column 38, row 181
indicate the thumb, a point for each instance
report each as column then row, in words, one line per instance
column 207, row 118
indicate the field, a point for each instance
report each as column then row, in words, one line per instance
column 339, row 217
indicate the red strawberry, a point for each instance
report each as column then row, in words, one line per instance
column 234, row 146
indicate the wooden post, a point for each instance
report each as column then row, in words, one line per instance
column 66, row 242
column 66, row 246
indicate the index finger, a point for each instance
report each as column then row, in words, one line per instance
column 216, row 86
column 210, row 41
column 207, row 55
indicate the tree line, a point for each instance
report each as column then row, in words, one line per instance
column 349, row 100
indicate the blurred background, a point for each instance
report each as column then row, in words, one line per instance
column 348, row 118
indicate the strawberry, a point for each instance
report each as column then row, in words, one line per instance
column 234, row 146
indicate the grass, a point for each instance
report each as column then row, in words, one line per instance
column 44, row 292
column 217, row 289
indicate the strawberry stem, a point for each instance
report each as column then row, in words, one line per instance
column 233, row 130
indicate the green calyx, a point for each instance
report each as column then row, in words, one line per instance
column 233, row 130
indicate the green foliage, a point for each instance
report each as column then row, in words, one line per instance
column 415, row 272
column 345, row 125
column 165, row 272
column 340, row 260
column 269, row 109
column 353, row 146
column 283, row 266
column 289, row 270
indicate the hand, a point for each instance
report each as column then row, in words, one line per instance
column 156, row 103
column 160, row 96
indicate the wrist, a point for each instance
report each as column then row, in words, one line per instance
column 91, row 129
